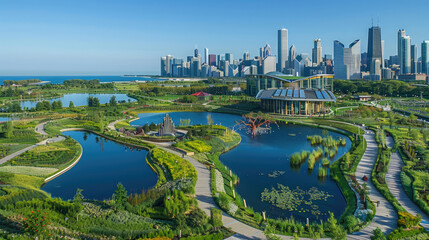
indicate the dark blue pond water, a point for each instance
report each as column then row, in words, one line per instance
column 256, row 157
column 81, row 99
column 103, row 165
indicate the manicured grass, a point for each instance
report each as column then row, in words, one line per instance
column 28, row 170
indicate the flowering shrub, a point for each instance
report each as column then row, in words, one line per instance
column 36, row 223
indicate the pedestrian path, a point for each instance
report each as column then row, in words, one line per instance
column 393, row 179
column 385, row 217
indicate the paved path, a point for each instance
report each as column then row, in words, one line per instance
column 393, row 179
column 206, row 202
column 386, row 217
column 40, row 128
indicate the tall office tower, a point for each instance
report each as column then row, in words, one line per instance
column 266, row 51
column 382, row 54
column 292, row 56
column 317, row 51
column 246, row 56
column 269, row 64
column 425, row 57
column 212, row 59
column 218, row 61
column 226, row 68
column 229, row 58
column 195, row 67
column 347, row 60
column 206, row 55
column 163, row 66
column 401, row 34
column 196, row 52
column 414, row 59
column 282, row 42
column 374, row 50
column 169, row 64
column 405, row 56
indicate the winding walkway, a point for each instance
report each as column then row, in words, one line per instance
column 385, row 217
column 40, row 128
column 393, row 179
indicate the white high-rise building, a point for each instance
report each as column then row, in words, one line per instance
column 317, row 52
column 405, row 55
column 269, row 64
column 425, row 57
column 347, row 61
column 282, row 43
column 206, row 56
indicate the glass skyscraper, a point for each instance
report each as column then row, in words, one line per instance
column 405, row 56
column 282, row 42
column 374, row 57
column 347, row 60
column 425, row 57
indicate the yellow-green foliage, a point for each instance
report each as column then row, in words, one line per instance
column 27, row 170
column 199, row 146
column 311, row 161
column 21, row 180
column 177, row 166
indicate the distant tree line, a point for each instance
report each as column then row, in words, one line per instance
column 79, row 83
column 156, row 90
column 7, row 83
column 390, row 88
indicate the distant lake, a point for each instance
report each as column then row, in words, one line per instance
column 81, row 99
column 61, row 79
column 4, row 119
column 103, row 165
column 257, row 157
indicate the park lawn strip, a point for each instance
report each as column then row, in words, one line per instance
column 28, row 170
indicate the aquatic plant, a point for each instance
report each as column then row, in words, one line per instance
column 311, row 161
column 295, row 159
column 322, row 172
column 326, row 162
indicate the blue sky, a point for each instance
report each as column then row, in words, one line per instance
column 129, row 36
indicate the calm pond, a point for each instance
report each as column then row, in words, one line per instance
column 264, row 162
column 103, row 165
column 81, row 99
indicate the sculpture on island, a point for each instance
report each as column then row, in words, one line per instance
column 256, row 123
column 166, row 128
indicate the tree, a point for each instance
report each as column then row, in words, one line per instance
column 256, row 122
column 378, row 235
column 71, row 105
column 120, row 196
column 9, row 129
column 216, row 217
column 347, row 160
column 337, row 231
column 197, row 218
column 112, row 101
column 350, row 223
column 412, row 118
column 78, row 197
column 364, row 191
column 391, row 119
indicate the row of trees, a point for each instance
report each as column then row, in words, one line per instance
column 157, row 90
column 47, row 105
column 391, row 88
column 80, row 83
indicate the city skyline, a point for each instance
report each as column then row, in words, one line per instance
column 82, row 38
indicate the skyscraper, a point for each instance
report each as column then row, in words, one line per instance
column 375, row 52
column 266, row 51
column 229, row 58
column 206, row 55
column 282, row 43
column 347, row 60
column 382, row 54
column 414, row 58
column 212, row 59
column 405, row 55
column 246, row 56
column 196, row 52
column 163, row 66
column 425, row 57
column 292, row 56
column 317, row 51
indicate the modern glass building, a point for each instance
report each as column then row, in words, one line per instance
column 295, row 101
column 282, row 42
column 425, row 57
column 347, row 60
column 405, row 55
column 258, row 82
column 374, row 50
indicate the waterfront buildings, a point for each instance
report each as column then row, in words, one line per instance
column 375, row 52
column 206, row 55
column 282, row 46
column 317, row 52
column 347, row 61
column 425, row 57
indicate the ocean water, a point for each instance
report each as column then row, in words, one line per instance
column 61, row 79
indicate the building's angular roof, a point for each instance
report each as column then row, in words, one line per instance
column 201, row 94
column 297, row 94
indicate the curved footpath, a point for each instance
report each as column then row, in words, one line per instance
column 385, row 217
column 40, row 128
column 393, row 179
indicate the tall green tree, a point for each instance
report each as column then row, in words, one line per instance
column 112, row 101
column 120, row 196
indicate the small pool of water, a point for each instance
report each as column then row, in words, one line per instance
column 103, row 165
column 81, row 99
